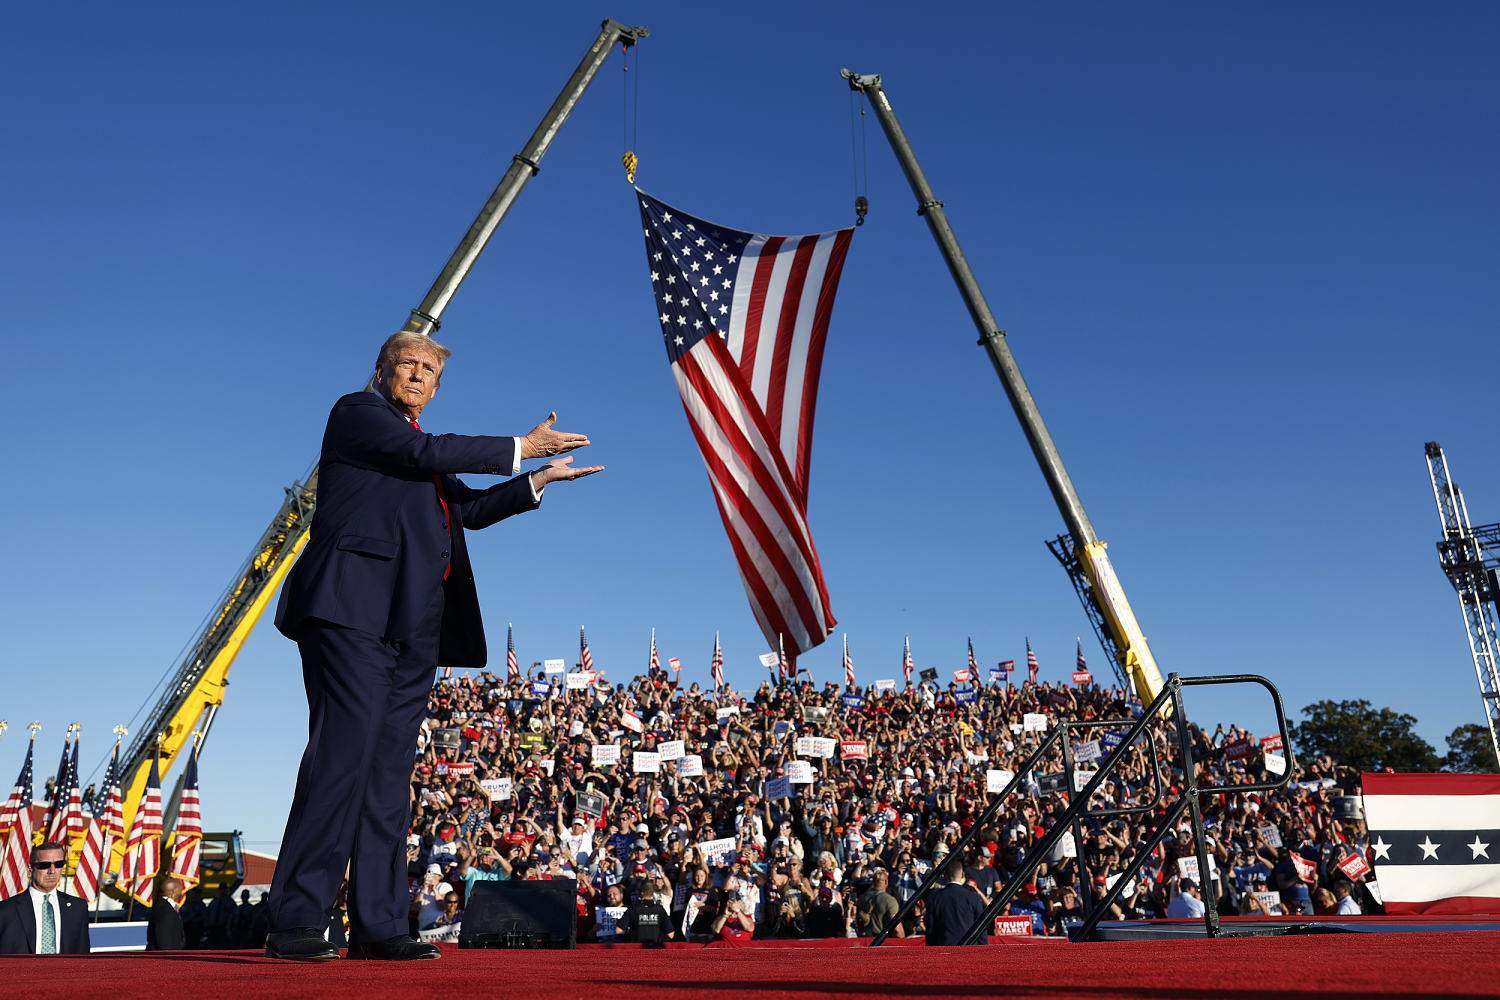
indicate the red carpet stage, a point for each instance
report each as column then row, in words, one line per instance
column 1449, row 964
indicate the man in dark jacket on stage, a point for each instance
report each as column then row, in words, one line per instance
column 44, row 920
column 382, row 594
column 953, row 908
column 164, row 931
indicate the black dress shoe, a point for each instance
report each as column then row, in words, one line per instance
column 301, row 944
column 397, row 949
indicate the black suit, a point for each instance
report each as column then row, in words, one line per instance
column 18, row 925
column 164, row 930
column 952, row 910
column 372, row 614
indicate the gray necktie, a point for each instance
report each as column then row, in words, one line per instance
column 49, row 928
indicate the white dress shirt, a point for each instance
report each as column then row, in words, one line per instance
column 39, row 900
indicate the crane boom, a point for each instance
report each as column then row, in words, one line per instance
column 196, row 690
column 1470, row 558
column 1084, row 555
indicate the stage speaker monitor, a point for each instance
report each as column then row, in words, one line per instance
column 520, row 913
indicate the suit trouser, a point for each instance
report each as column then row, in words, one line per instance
column 366, row 698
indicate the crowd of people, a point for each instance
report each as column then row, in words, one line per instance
column 684, row 814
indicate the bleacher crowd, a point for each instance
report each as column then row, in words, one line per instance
column 805, row 811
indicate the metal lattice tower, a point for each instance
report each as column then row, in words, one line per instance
column 1470, row 557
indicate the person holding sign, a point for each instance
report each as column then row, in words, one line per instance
column 382, row 594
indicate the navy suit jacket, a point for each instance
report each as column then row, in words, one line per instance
column 952, row 910
column 378, row 546
column 18, row 925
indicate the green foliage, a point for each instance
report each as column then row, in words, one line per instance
column 1470, row 750
column 1358, row 735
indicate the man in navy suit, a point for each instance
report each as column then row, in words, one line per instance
column 44, row 920
column 382, row 594
column 953, row 908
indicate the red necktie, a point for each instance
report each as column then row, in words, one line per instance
column 437, row 481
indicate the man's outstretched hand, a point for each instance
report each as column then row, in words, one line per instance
column 544, row 442
column 561, row 468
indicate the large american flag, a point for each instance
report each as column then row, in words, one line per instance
column 512, row 666
column 906, row 664
column 744, row 318
column 188, row 848
column 143, row 847
column 67, row 813
column 585, row 658
column 15, row 851
column 848, row 665
column 107, row 826
column 718, row 664
column 1031, row 664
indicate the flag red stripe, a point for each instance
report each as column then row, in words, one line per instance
column 770, row 616
column 814, row 361
column 1430, row 784
column 764, row 261
column 1466, row 905
column 786, row 322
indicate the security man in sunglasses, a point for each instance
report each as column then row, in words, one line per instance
column 44, row 920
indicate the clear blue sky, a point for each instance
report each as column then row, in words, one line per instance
column 1246, row 257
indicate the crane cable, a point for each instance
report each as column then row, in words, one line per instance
column 630, row 112
column 859, row 146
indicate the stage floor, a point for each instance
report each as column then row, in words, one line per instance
column 1439, row 964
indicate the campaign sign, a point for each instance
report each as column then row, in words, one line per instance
column 1034, row 722
column 799, row 772
column 576, row 728
column 1051, row 784
column 814, row 713
column 497, row 788
column 1082, row 677
column 1081, row 779
column 1017, row 728
column 671, row 750
column 815, row 746
column 1307, row 871
column 1269, row 743
column 1013, row 926
column 1068, row 845
column 631, row 721
column 1109, row 741
column 675, row 664
column 716, row 852
column 995, row 779
column 1275, row 763
column 1271, row 837
column 961, row 676
column 1188, row 868
column 540, row 689
column 607, row 918
column 646, row 762
column 997, row 676
column 769, row 659
column 689, row 765
column 579, row 680
column 1354, row 866
column 1085, row 752
column 554, row 666
column 853, row 701
column 606, row 753
column 781, row 728
column 726, row 712
column 778, row 788
column 461, row 767
column 854, row 750
column 589, row 804
column 1237, row 750
column 964, row 696
column 929, row 675
column 885, row 685
column 1270, row 900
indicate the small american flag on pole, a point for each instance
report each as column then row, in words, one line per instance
column 973, row 665
column 143, row 848
column 188, row 848
column 1031, row 664
column 744, row 318
column 718, row 664
column 848, row 665
column 654, row 666
column 68, row 816
column 906, row 664
column 15, row 850
column 512, row 666
column 585, row 658
column 107, row 826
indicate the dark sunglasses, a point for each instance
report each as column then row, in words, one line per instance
column 49, row 864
